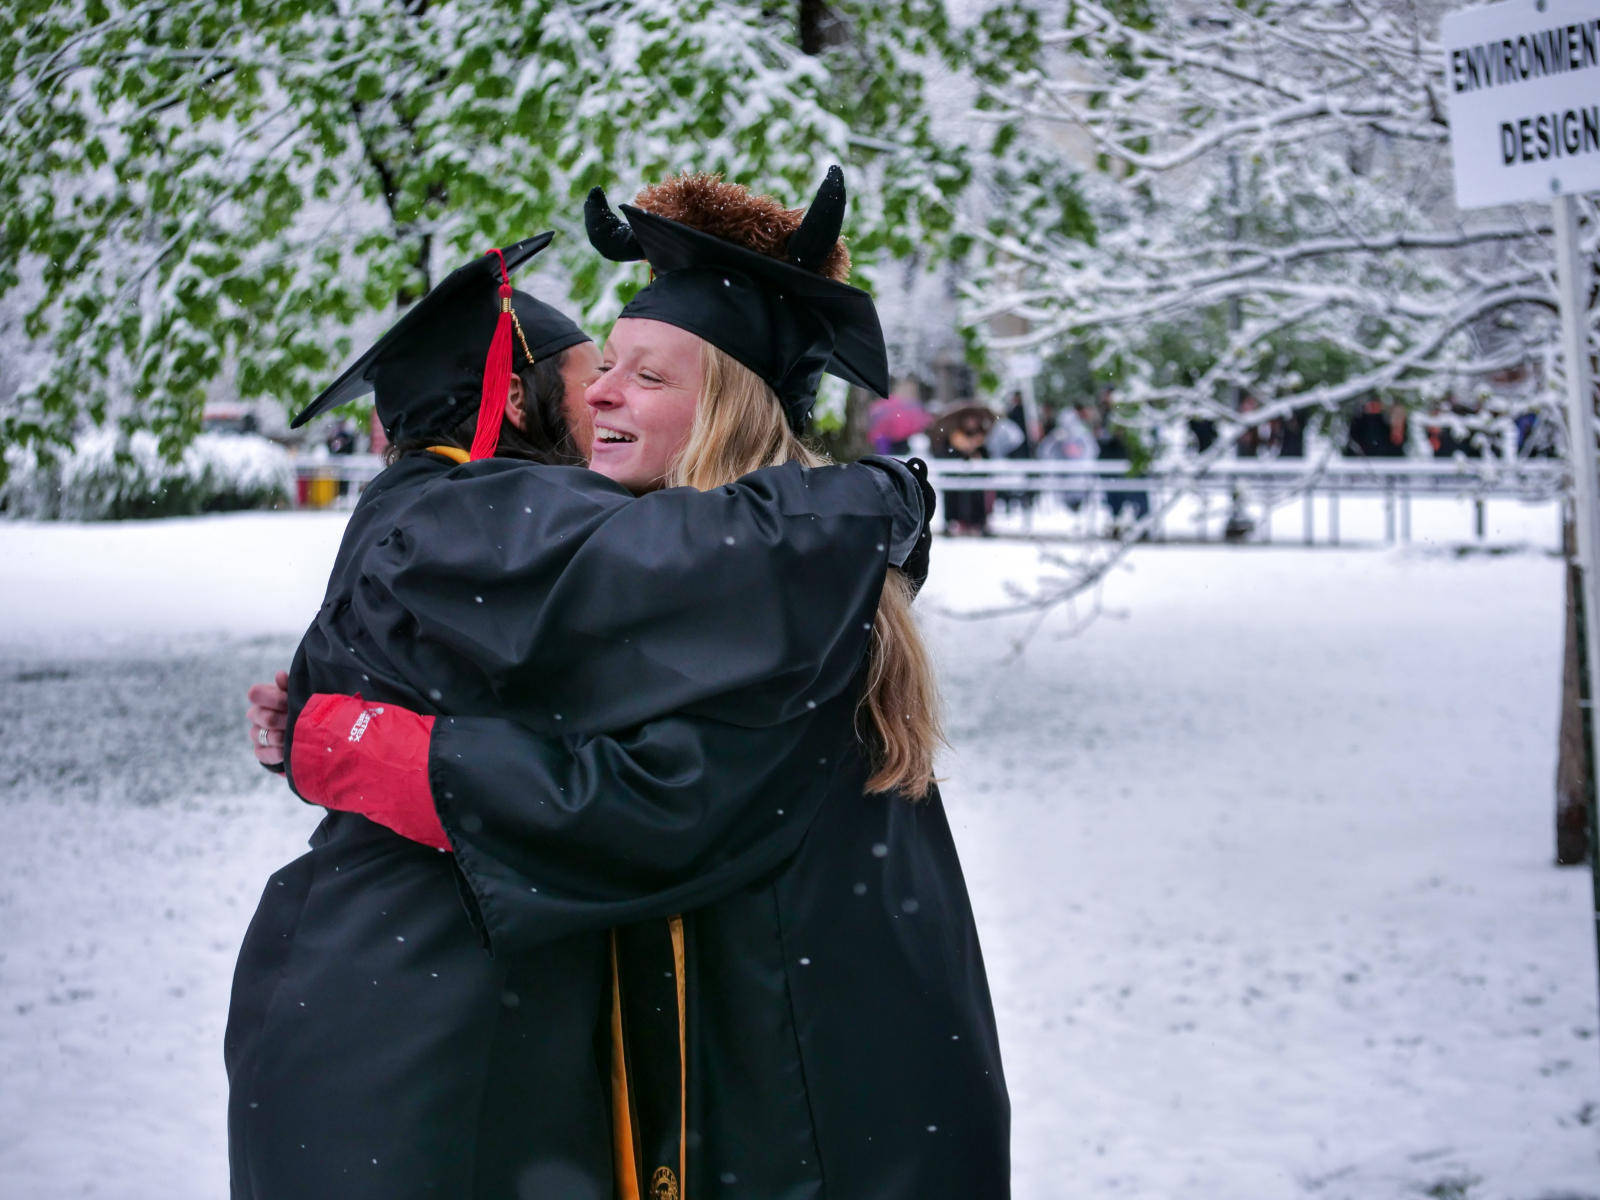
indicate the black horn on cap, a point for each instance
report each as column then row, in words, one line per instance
column 819, row 229
column 609, row 233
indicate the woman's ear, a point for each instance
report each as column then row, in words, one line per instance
column 516, row 404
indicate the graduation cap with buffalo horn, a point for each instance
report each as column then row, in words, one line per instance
column 454, row 348
column 762, row 283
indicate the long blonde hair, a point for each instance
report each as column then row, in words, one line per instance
column 739, row 427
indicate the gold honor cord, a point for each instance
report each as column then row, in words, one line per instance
column 679, row 969
column 454, row 453
column 649, row 1059
column 623, row 1156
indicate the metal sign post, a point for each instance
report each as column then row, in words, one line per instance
column 1522, row 81
column 1572, row 274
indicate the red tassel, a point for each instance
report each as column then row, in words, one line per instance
column 496, row 375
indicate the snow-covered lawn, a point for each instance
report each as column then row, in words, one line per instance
column 1261, row 861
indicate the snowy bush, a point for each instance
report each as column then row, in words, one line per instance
column 240, row 471
column 108, row 479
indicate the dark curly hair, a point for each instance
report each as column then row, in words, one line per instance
column 546, row 439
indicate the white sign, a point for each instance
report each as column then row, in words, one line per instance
column 1522, row 80
column 1025, row 365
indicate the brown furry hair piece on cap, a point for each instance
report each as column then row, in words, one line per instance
column 731, row 211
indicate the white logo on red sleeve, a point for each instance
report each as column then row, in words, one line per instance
column 365, row 719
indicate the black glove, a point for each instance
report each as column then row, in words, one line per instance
column 916, row 565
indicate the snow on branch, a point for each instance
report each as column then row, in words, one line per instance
column 1264, row 177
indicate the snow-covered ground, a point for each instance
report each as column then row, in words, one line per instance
column 1261, row 861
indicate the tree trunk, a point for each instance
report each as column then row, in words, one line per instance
column 1572, row 764
column 849, row 442
column 812, row 16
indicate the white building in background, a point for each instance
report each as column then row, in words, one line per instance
column 920, row 308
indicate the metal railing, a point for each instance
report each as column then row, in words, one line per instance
column 1263, row 484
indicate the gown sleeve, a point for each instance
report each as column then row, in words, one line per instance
column 553, row 836
column 550, row 597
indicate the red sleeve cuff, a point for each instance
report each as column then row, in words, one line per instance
column 369, row 758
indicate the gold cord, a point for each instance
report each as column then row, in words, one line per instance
column 521, row 337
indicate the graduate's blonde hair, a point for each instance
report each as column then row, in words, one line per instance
column 739, row 427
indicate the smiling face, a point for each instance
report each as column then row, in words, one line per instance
column 579, row 368
column 642, row 406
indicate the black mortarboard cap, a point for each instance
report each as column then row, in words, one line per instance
column 778, row 316
column 427, row 372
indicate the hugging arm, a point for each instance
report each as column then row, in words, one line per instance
column 745, row 603
column 556, row 835
column 720, row 631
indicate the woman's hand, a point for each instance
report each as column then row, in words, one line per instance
column 269, row 717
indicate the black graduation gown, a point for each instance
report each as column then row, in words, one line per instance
column 374, row 1049
column 841, row 1039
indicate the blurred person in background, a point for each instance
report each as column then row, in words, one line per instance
column 1378, row 430
column 966, row 511
column 1259, row 440
column 1069, row 439
column 1129, row 503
